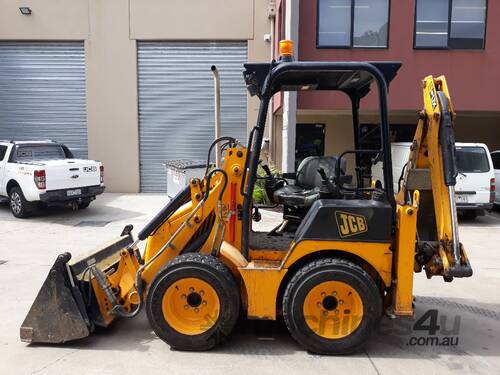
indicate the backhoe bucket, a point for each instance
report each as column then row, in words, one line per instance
column 60, row 313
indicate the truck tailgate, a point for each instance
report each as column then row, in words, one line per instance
column 72, row 173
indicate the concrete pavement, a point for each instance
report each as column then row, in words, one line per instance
column 29, row 247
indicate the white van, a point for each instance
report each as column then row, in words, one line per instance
column 475, row 189
column 495, row 157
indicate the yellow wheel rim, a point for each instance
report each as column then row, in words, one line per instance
column 333, row 309
column 191, row 306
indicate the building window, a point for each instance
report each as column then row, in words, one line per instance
column 353, row 23
column 453, row 24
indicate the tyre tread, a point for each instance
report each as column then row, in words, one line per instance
column 219, row 267
column 311, row 266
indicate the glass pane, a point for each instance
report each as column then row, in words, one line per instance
column 3, row 150
column 496, row 160
column 370, row 23
column 472, row 160
column 468, row 18
column 334, row 23
column 431, row 26
column 42, row 152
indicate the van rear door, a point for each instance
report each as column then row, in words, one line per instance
column 495, row 157
column 474, row 175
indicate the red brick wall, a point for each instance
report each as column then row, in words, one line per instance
column 473, row 76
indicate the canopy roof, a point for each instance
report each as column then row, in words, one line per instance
column 353, row 78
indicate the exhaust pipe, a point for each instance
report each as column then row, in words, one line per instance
column 218, row 154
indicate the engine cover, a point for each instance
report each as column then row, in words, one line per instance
column 347, row 220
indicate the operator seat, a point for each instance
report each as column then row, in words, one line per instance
column 305, row 191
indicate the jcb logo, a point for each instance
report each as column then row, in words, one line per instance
column 350, row 224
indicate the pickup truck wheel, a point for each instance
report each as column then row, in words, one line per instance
column 19, row 206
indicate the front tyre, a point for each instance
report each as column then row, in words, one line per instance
column 193, row 302
column 19, row 206
column 331, row 306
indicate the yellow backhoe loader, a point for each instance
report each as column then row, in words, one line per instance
column 349, row 258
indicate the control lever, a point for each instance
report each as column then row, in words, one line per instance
column 267, row 170
column 327, row 189
column 256, row 215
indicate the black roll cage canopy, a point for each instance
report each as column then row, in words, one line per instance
column 352, row 78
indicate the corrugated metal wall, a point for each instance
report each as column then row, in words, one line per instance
column 176, row 102
column 42, row 93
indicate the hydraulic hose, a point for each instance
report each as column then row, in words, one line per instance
column 212, row 145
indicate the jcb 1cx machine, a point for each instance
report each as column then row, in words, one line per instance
column 349, row 258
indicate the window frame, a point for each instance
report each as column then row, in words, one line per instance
column 447, row 48
column 351, row 46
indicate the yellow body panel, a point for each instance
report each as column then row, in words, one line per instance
column 262, row 280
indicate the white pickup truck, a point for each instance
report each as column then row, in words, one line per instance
column 37, row 173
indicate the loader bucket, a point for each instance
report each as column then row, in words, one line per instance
column 59, row 313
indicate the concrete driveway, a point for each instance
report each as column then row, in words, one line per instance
column 468, row 311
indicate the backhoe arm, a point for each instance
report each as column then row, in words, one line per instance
column 432, row 170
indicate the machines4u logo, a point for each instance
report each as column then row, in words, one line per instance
column 350, row 224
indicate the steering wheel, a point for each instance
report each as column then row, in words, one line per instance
column 271, row 183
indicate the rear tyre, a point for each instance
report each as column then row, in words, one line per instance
column 19, row 206
column 331, row 306
column 193, row 302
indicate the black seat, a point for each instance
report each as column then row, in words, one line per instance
column 305, row 191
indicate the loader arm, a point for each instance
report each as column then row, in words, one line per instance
column 431, row 169
column 112, row 282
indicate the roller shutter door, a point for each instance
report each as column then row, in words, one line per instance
column 42, row 93
column 176, row 102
